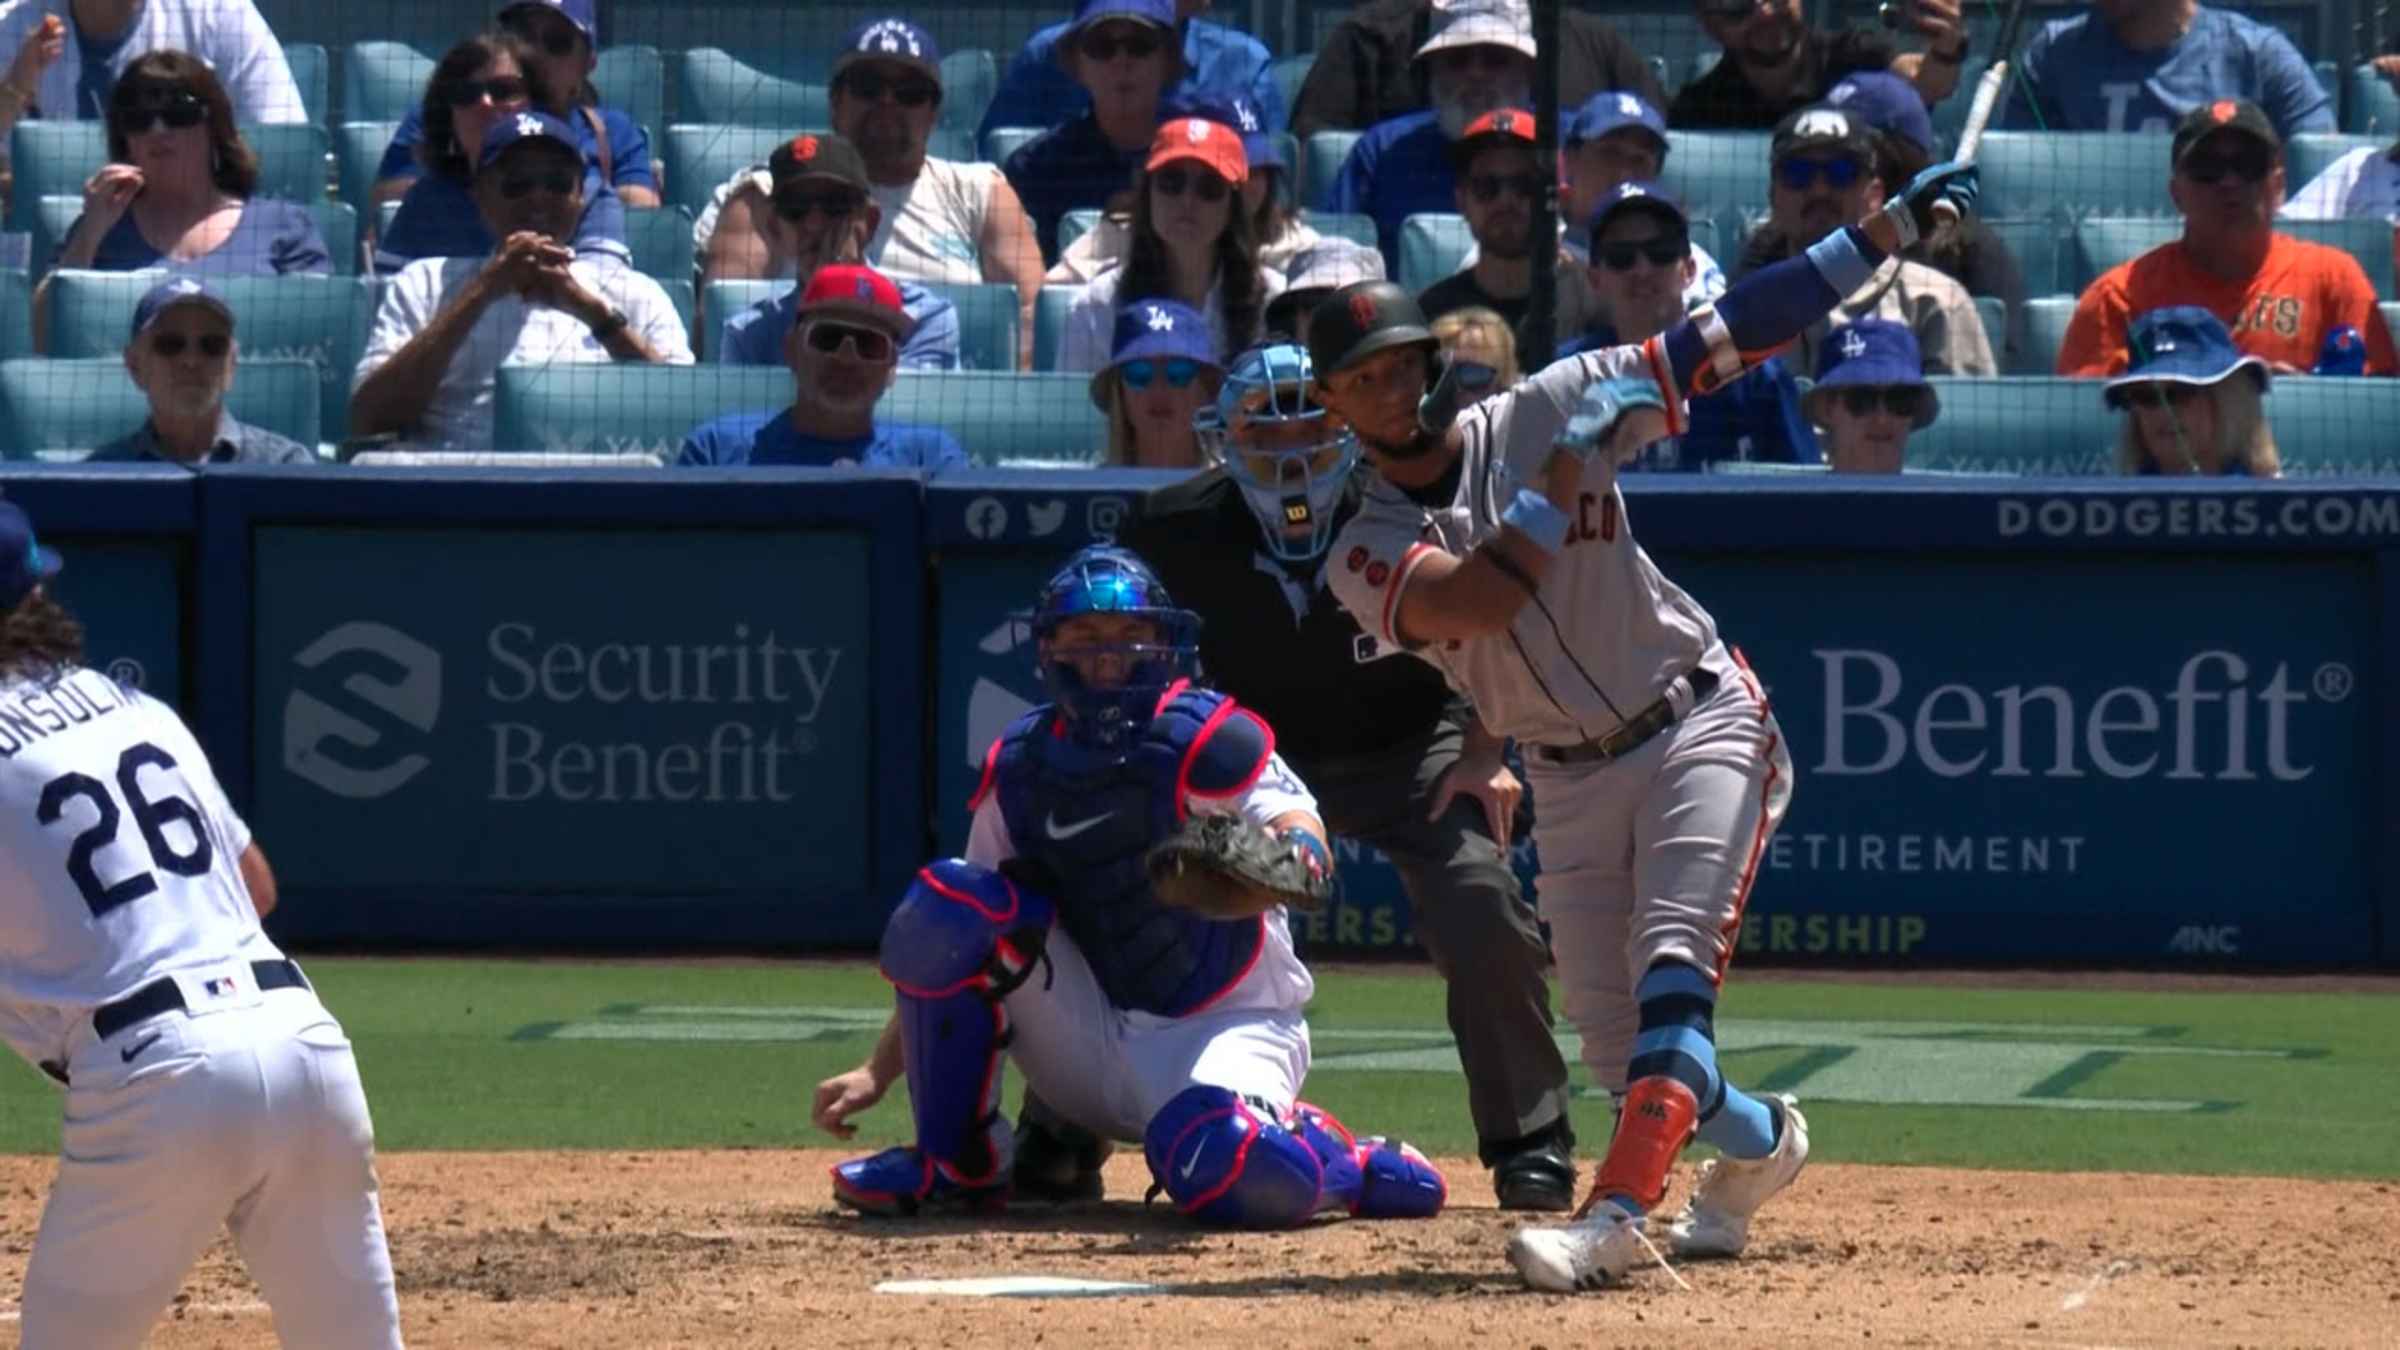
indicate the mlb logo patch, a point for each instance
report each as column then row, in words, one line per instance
column 220, row 987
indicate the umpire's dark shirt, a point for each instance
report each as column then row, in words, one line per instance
column 1306, row 676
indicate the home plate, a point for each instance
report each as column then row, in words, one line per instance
column 1017, row 1286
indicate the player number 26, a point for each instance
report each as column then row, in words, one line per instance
column 150, row 815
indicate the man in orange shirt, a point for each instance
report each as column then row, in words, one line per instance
column 2282, row 297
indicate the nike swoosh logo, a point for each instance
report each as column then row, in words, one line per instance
column 1063, row 833
column 129, row 1053
column 1186, row 1171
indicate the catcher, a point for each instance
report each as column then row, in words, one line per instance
column 1118, row 927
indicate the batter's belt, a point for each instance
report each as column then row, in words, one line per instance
column 1634, row 731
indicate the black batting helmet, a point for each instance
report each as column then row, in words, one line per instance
column 1361, row 319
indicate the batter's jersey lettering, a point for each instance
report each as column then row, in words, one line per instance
column 1605, row 633
column 119, row 855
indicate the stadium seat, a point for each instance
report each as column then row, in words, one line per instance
column 2372, row 109
column 1050, row 323
column 1993, row 312
column 1666, row 34
column 987, row 324
column 2326, row 427
column 2097, row 173
column 633, row 79
column 635, row 408
column 2305, row 156
column 310, row 66
column 2046, row 320
column 1358, row 229
column 50, row 407
column 336, row 222
column 2391, row 316
column 2103, row 242
column 358, row 152
column 1321, row 162
column 54, row 158
column 1431, row 248
column 2035, row 244
column 16, row 314
column 1001, row 142
column 700, row 156
column 319, row 319
column 1075, row 225
column 1289, row 73
column 661, row 241
column 725, row 299
column 1950, row 115
column 679, row 291
column 2033, row 426
column 786, row 89
column 1713, row 171
column 383, row 216
column 382, row 80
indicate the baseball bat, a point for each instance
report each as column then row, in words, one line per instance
column 1988, row 92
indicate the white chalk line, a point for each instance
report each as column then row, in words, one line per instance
column 10, row 1316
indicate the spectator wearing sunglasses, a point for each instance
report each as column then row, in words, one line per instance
column 560, row 52
column 1641, row 276
column 177, row 190
column 181, row 355
column 1478, row 61
column 2142, row 65
column 1824, row 164
column 821, row 211
column 1266, row 198
column 1123, row 54
column 64, row 58
column 1775, row 63
column 1366, row 69
column 2285, row 300
column 1499, row 179
column 1870, row 395
column 843, row 353
column 2193, row 401
column 1163, row 368
column 1218, row 63
column 446, row 325
column 483, row 82
column 1191, row 243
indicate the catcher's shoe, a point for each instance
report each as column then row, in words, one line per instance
column 1057, row 1166
column 1541, row 1179
column 901, row 1182
column 1715, row 1222
column 1593, row 1251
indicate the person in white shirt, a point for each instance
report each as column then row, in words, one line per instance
column 447, row 325
column 2363, row 184
column 65, row 55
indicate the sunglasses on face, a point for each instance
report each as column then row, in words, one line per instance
column 908, row 93
column 1798, row 175
column 1174, row 181
column 1139, row 44
column 551, row 35
column 1899, row 400
column 2249, row 164
column 1487, row 187
column 1178, row 371
column 833, row 207
column 1660, row 251
column 827, row 336
column 140, row 108
column 211, row 345
column 500, row 91
column 2160, row 394
column 556, row 182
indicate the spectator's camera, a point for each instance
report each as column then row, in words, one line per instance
column 1895, row 13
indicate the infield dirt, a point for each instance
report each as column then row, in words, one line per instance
column 592, row 1250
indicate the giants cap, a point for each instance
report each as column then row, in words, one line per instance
column 817, row 154
column 2238, row 116
column 1361, row 319
column 1500, row 126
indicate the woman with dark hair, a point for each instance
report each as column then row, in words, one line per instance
column 477, row 82
column 1191, row 243
column 176, row 192
column 1266, row 198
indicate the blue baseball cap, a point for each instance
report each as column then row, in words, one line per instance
column 1875, row 352
column 525, row 126
column 174, row 291
column 1089, row 12
column 1887, row 103
column 2180, row 344
column 1639, row 195
column 24, row 563
column 584, row 14
column 1615, row 110
column 895, row 40
column 1235, row 110
column 1158, row 330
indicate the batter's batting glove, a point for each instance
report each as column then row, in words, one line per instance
column 1912, row 210
column 1591, row 429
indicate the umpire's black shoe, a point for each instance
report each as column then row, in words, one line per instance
column 1057, row 1165
column 1538, row 1179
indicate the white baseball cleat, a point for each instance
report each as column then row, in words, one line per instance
column 1715, row 1222
column 1591, row 1252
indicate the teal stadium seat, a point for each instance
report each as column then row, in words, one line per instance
column 987, row 317
column 311, row 68
column 1666, row 34
column 384, row 213
column 1075, row 225
column 2084, row 173
column 1993, row 311
column 724, row 299
column 336, row 222
column 1321, row 162
column 787, row 89
column 2046, row 319
column 16, row 314
column 633, row 79
column 319, row 319
column 999, row 417
column 660, row 240
column 2104, row 242
column 2036, row 244
column 2042, row 427
column 2306, row 156
column 382, row 80
column 680, row 292
column 2391, row 316
column 2331, row 427
column 357, row 153
column 1050, row 323
column 1716, row 171
column 51, row 408
column 1290, row 72
column 1431, row 248
column 1351, row 225
column 2373, row 109
column 700, row 156
column 1001, row 142
column 54, row 159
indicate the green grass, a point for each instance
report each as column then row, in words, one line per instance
column 456, row 1056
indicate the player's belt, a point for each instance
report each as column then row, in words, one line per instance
column 165, row 996
column 1634, row 731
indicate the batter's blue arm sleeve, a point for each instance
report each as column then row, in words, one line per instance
column 1765, row 309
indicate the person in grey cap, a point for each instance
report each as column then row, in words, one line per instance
column 1333, row 263
column 181, row 355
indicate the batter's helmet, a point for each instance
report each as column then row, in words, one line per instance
column 1104, row 579
column 1361, row 319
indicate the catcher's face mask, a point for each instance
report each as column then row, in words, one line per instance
column 1108, row 643
column 1286, row 455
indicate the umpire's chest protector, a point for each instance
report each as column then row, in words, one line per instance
column 1088, row 821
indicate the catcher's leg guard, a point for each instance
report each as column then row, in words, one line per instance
column 1228, row 1164
column 1371, row 1178
column 961, row 939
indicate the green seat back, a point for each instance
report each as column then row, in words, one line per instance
column 1431, row 248
column 2041, row 426
column 56, row 405
column 52, row 159
column 381, row 81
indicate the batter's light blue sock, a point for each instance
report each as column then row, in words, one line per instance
column 1678, row 1040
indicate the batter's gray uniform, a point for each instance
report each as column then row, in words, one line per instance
column 1645, row 857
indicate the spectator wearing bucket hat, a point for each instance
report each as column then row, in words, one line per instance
column 1163, row 367
column 2193, row 400
column 1217, row 62
column 181, row 355
column 842, row 352
column 1123, row 53
column 1333, row 263
column 1367, row 69
column 1191, row 243
column 1869, row 395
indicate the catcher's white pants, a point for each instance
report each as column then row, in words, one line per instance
column 1650, row 857
column 252, row 1118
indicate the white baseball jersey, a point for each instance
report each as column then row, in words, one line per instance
column 1604, row 635
column 119, row 856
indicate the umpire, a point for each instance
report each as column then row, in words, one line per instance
column 1394, row 759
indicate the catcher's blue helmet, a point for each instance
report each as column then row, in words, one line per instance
column 1280, row 449
column 1104, row 579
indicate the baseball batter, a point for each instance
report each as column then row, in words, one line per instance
column 1134, row 1020
column 1495, row 545
column 205, row 1084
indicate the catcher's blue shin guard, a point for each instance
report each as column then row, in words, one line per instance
column 1371, row 1178
column 962, row 938
column 1678, row 1040
column 1228, row 1163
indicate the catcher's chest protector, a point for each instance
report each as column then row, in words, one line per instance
column 1089, row 822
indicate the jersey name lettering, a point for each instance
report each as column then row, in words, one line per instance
column 43, row 710
column 1595, row 518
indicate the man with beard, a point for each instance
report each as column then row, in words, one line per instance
column 1498, row 181
column 1774, row 62
column 1479, row 60
column 181, row 356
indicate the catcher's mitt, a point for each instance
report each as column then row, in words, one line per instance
column 1226, row 868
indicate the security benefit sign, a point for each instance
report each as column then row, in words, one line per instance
column 2111, row 757
column 660, row 713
